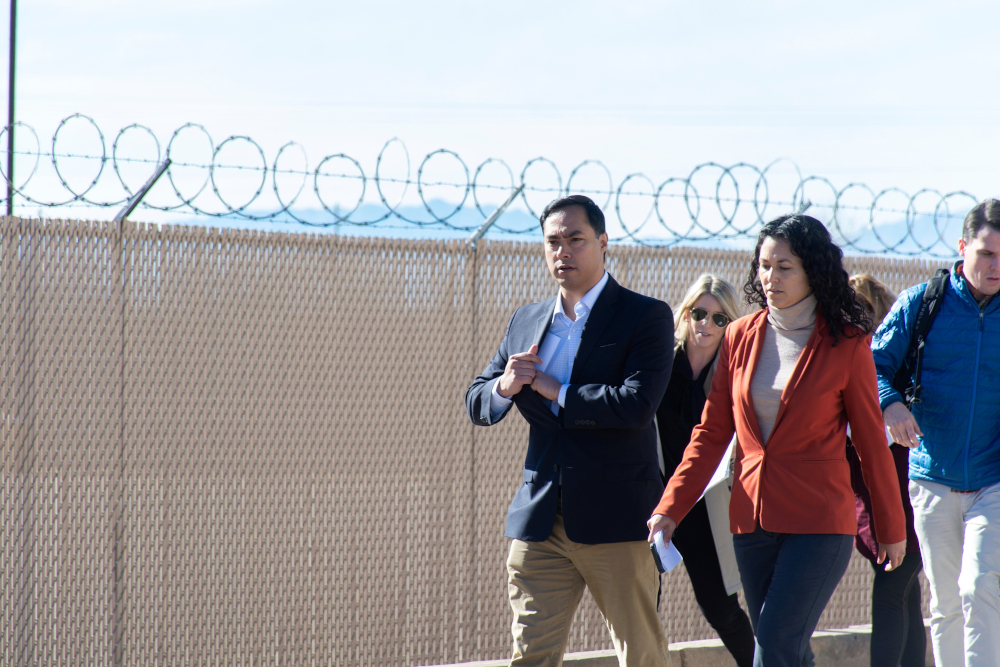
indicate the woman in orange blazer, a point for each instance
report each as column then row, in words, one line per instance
column 790, row 377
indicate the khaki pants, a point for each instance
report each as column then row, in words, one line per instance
column 960, row 544
column 545, row 581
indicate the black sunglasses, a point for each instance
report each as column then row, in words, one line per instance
column 718, row 319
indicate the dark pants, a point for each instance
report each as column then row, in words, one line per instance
column 788, row 580
column 693, row 538
column 897, row 622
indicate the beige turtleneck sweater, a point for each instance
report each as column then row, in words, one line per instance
column 787, row 332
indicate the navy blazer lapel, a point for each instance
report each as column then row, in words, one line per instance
column 543, row 322
column 600, row 317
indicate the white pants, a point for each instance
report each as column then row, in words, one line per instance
column 960, row 545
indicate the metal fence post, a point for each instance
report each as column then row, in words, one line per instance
column 483, row 228
column 10, row 108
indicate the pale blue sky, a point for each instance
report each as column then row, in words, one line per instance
column 893, row 94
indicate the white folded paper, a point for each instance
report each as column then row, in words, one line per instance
column 670, row 557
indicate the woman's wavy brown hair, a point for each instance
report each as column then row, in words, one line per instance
column 823, row 262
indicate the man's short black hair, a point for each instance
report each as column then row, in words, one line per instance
column 594, row 213
column 984, row 214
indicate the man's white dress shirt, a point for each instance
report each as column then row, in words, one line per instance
column 558, row 349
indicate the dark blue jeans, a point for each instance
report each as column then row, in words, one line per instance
column 788, row 579
column 897, row 620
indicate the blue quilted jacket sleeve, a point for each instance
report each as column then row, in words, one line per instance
column 892, row 340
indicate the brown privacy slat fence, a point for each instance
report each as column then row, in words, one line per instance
column 238, row 448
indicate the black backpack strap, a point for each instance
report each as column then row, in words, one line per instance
column 930, row 306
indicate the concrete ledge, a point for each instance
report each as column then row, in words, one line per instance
column 847, row 647
column 833, row 648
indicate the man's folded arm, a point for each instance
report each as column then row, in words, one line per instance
column 484, row 406
column 498, row 404
column 633, row 403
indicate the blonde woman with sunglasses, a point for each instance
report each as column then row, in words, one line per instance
column 707, row 309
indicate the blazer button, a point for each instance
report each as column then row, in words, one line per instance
column 555, row 468
column 578, row 422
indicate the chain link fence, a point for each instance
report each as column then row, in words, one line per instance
column 229, row 447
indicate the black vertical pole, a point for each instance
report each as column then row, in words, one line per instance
column 10, row 109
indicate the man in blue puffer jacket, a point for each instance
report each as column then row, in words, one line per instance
column 954, row 433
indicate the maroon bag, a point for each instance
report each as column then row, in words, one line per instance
column 866, row 541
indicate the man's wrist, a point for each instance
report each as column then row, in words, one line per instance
column 497, row 397
column 562, row 395
column 895, row 402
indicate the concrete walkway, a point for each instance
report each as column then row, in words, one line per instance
column 833, row 648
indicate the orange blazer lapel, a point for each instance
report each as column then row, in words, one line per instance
column 755, row 336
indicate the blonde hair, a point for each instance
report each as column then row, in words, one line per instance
column 874, row 296
column 710, row 284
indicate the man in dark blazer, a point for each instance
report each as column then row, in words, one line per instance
column 586, row 369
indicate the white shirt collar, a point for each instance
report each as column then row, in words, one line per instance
column 586, row 304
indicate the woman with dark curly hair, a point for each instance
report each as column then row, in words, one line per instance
column 790, row 377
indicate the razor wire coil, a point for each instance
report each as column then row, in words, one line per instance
column 741, row 198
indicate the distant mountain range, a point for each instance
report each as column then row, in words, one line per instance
column 518, row 224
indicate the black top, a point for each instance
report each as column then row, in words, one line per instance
column 680, row 410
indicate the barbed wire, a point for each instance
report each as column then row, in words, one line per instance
column 713, row 202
